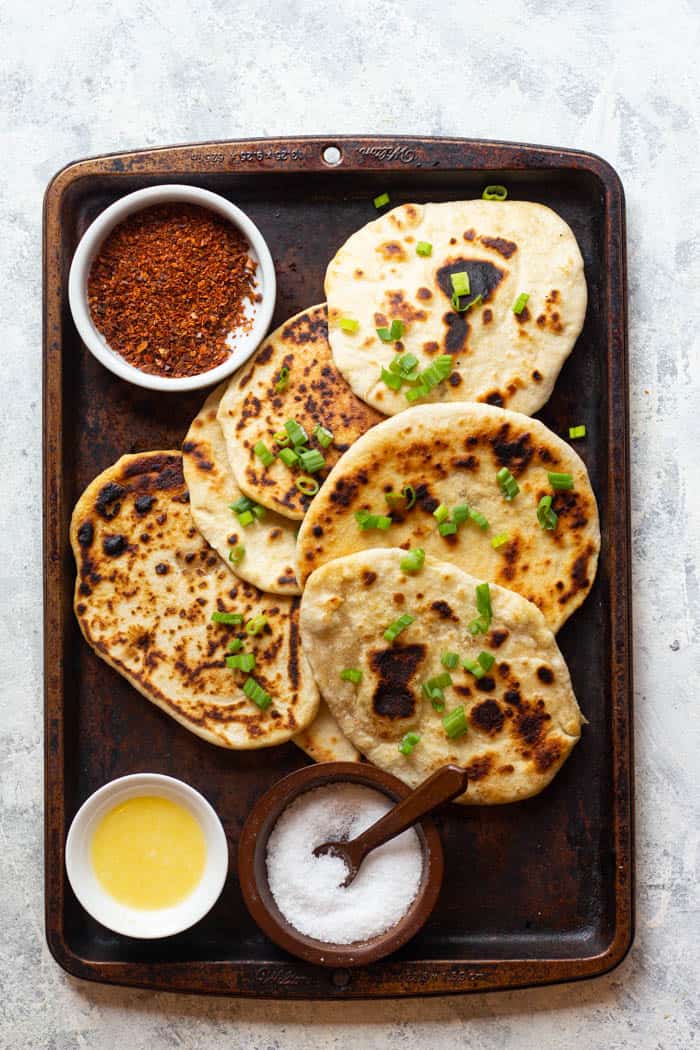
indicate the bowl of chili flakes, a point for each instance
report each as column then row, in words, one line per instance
column 172, row 288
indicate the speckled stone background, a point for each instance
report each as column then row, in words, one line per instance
column 618, row 77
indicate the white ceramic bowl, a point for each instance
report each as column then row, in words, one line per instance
column 137, row 922
column 244, row 342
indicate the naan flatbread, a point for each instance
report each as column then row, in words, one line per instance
column 521, row 715
column 324, row 740
column 506, row 248
column 147, row 585
column 450, row 454
column 252, row 410
column 270, row 543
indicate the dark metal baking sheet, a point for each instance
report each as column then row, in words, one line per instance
column 535, row 892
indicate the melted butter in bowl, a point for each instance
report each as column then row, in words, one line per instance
column 148, row 852
column 146, row 856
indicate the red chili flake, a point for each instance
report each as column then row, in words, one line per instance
column 167, row 287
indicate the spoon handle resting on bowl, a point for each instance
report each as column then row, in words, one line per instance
column 444, row 785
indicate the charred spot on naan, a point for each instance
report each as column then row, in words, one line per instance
column 551, row 317
column 514, row 451
column 484, row 277
column 580, row 575
column 200, row 454
column 108, row 500
column 500, row 245
column 392, row 251
column 487, row 717
column 480, row 767
column 393, row 696
column 397, row 307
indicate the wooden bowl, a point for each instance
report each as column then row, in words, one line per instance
column 252, row 867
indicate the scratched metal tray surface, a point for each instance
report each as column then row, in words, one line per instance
column 536, row 892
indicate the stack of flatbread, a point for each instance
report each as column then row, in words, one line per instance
column 228, row 547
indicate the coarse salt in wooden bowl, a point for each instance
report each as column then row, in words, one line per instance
column 252, row 867
column 245, row 341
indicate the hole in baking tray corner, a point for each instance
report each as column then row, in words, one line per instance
column 332, row 156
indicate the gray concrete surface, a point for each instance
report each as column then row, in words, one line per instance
column 619, row 78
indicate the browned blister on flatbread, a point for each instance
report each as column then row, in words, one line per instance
column 253, row 409
column 450, row 454
column 147, row 585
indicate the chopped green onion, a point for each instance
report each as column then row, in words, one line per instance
column 447, row 528
column 311, row 460
column 494, row 193
column 256, row 625
column 246, row 511
column 435, row 694
column 476, row 301
column 441, row 513
column 297, row 434
column 351, row 674
column 241, row 662
column 479, row 519
column 392, row 380
column 519, row 304
column 409, row 493
column 282, row 380
column 424, row 248
column 237, row 554
column 545, row 515
column 235, row 645
column 561, row 481
column 460, row 283
column 578, row 432
column 440, row 681
column 408, row 743
column 413, row 561
column 348, row 324
column 224, row 617
column 483, row 604
column 263, row 453
column 323, row 435
column 368, row 521
column 394, row 629
column 404, row 365
column 460, row 513
column 416, row 392
column 508, row 485
column 499, row 540
column 449, row 660
column 455, row 724
column 281, row 438
column 257, row 694
column 241, row 505
column 390, row 335
column 306, row 485
column 289, row 457
column 427, row 380
column 381, row 200
column 475, row 668
column 487, row 660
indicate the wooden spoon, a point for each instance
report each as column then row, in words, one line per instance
column 444, row 785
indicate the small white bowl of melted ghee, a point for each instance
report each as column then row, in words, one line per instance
column 147, row 856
